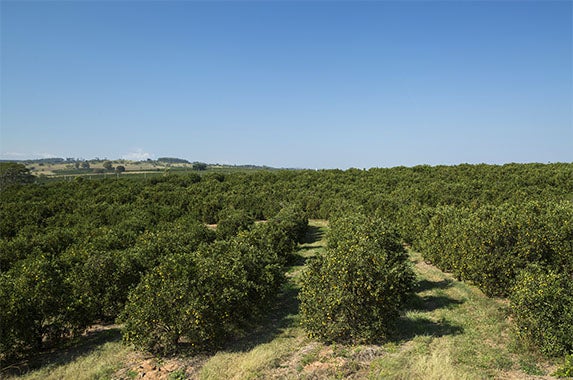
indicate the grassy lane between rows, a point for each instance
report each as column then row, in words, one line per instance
column 452, row 331
column 272, row 359
column 449, row 330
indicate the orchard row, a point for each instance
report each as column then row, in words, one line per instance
column 138, row 250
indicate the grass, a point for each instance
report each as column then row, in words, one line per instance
column 96, row 356
column 102, row 363
column 449, row 330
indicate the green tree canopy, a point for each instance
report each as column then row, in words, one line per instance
column 14, row 173
column 199, row 166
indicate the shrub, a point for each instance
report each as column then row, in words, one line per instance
column 273, row 237
column 546, row 234
column 567, row 369
column 413, row 219
column 231, row 222
column 542, row 305
column 485, row 252
column 489, row 245
column 101, row 281
column 36, row 308
column 354, row 291
column 182, row 236
column 154, row 316
column 51, row 243
column 203, row 296
column 292, row 219
column 443, row 238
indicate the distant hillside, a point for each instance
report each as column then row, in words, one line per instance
column 173, row 160
column 65, row 167
column 54, row 160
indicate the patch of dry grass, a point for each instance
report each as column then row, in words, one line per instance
column 100, row 363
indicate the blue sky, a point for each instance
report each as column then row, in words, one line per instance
column 289, row 83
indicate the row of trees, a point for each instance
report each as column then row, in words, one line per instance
column 205, row 296
column 176, row 279
column 394, row 193
column 356, row 290
column 61, row 241
column 521, row 250
column 55, row 293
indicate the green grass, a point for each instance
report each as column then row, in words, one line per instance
column 97, row 356
column 449, row 330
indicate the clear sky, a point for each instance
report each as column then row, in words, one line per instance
column 312, row 84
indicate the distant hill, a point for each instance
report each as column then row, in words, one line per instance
column 53, row 160
column 63, row 167
column 159, row 161
column 173, row 160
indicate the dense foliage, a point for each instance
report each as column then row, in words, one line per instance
column 73, row 253
column 14, row 174
column 489, row 245
column 209, row 294
column 354, row 292
column 231, row 222
column 542, row 302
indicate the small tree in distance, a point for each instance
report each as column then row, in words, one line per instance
column 119, row 169
column 108, row 165
column 13, row 173
column 199, row 166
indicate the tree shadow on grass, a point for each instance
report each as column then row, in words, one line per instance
column 313, row 235
column 310, row 247
column 282, row 315
column 63, row 354
column 408, row 328
column 297, row 260
column 431, row 303
column 425, row 285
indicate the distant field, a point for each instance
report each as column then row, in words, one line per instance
column 97, row 170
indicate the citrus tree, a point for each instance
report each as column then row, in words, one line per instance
column 355, row 290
